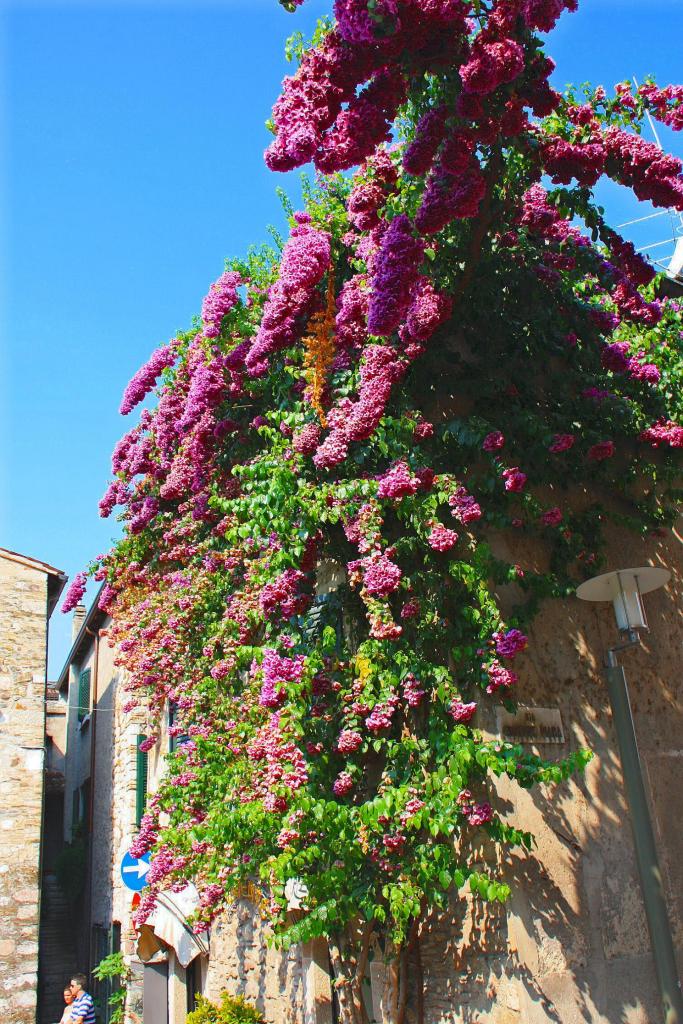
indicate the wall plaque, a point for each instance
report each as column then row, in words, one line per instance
column 530, row 725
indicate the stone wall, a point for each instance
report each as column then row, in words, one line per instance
column 572, row 945
column 23, row 624
column 243, row 964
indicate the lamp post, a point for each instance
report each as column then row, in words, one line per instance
column 624, row 588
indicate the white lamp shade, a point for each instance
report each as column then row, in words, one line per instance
column 624, row 588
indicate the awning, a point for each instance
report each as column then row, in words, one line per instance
column 168, row 923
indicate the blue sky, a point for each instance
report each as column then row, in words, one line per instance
column 133, row 136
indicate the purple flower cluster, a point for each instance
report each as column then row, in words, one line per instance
column 441, row 538
column 381, row 576
column 397, row 482
column 305, row 260
column 460, row 711
column 282, row 597
column 278, row 670
column 146, row 377
column 465, row 508
column 395, row 272
column 221, row 298
column 74, row 594
column 429, row 134
column 511, row 643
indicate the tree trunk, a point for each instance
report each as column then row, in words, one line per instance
column 392, row 980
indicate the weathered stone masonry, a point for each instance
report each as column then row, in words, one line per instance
column 28, row 591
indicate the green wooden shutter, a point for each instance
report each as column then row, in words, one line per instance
column 141, row 781
column 83, row 694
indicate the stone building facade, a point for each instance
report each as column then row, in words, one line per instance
column 571, row 946
column 29, row 590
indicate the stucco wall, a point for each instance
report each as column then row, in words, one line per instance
column 23, row 611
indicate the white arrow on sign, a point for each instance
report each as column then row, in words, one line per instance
column 140, row 869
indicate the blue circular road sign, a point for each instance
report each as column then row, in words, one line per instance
column 134, row 871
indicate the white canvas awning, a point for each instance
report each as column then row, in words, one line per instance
column 169, row 923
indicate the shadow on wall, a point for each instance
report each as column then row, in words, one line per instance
column 577, row 923
column 572, row 945
column 245, row 965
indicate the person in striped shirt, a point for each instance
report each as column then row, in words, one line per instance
column 82, row 1009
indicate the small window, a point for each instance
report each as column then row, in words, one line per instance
column 174, row 741
column 83, row 694
column 140, row 780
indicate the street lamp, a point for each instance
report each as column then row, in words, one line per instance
column 625, row 588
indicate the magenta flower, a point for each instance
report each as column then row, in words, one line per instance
column 343, row 784
column 441, row 538
column 145, row 378
column 395, row 271
column 553, row 517
column 397, row 482
column 381, row 577
column 514, row 479
column 493, row 442
column 562, row 443
column 462, row 712
column 74, row 594
column 601, row 451
column 511, row 643
column 348, row 741
column 479, row 814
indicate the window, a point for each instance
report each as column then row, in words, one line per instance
column 83, row 694
column 174, row 741
column 140, row 781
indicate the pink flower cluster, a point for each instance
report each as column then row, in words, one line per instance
column 464, row 506
column 74, row 594
column 349, row 740
column 562, row 443
column 381, row 715
column 397, row 482
column 221, row 298
column 460, row 711
column 381, row 576
column 282, row 596
column 278, row 670
column 515, row 480
column 663, row 432
column 511, row 643
column 305, row 260
column 343, row 784
column 491, row 64
column 145, row 378
column 493, row 442
column 499, row 677
column 441, row 538
column 412, row 691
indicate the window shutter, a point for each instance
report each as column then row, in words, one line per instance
column 141, row 781
column 83, row 694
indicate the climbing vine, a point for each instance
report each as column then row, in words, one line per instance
column 451, row 347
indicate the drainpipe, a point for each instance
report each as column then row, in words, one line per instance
column 643, row 838
column 91, row 802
